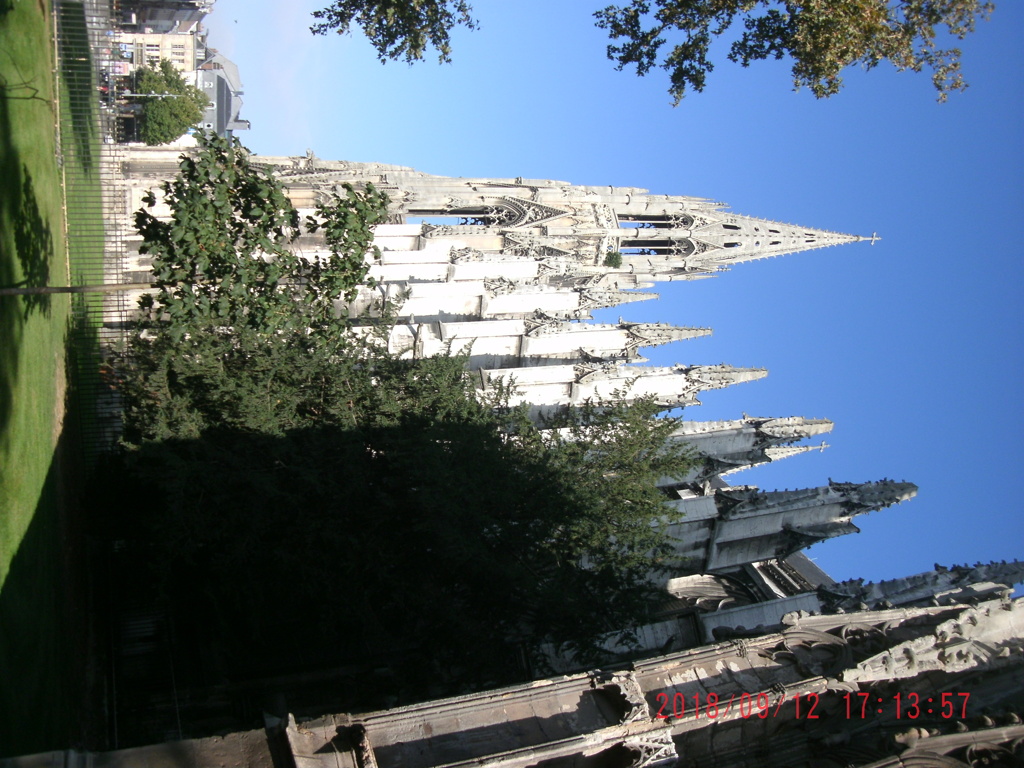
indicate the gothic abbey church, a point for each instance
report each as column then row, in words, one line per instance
column 509, row 271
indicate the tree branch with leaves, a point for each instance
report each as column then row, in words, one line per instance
column 398, row 29
column 224, row 255
column 822, row 37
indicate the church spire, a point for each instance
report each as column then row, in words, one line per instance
column 655, row 334
column 572, row 232
column 790, row 428
column 752, row 238
column 749, row 433
column 777, row 454
column 538, row 340
column 714, row 242
column 603, row 298
column 729, row 446
column 871, row 497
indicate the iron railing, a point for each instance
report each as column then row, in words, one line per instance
column 97, row 216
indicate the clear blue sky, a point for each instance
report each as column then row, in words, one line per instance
column 912, row 346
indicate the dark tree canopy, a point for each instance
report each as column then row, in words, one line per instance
column 822, row 37
column 427, row 531
column 174, row 106
column 443, row 535
column 398, row 29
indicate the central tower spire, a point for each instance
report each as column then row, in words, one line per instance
column 619, row 236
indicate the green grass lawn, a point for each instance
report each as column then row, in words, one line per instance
column 36, row 680
column 31, row 252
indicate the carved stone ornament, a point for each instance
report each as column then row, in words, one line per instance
column 968, row 641
column 814, row 653
column 561, row 262
column 737, row 498
column 538, row 246
column 452, row 204
column 605, row 216
column 684, row 248
column 465, row 255
column 450, row 230
column 712, row 592
column 527, row 213
column 596, row 372
column 699, row 247
column 500, row 286
column 625, row 685
column 653, row 748
column 543, row 324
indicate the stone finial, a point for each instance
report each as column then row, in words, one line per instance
column 865, row 497
column 792, row 428
column 654, row 334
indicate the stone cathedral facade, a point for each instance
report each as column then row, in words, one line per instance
column 505, row 270
column 925, row 671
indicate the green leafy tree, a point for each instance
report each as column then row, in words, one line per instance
column 822, row 37
column 173, row 107
column 398, row 29
column 223, row 256
column 613, row 259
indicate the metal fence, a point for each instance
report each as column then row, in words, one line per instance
column 142, row 702
column 96, row 213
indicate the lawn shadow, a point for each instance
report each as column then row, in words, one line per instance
column 22, row 89
column 50, row 620
column 12, row 318
column 35, row 639
column 33, row 242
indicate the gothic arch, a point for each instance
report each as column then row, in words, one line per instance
column 507, row 212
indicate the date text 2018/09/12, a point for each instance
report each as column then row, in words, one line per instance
column 859, row 706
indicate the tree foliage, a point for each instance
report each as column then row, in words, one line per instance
column 445, row 532
column 823, row 37
column 398, row 29
column 223, row 258
column 174, row 106
column 613, row 259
